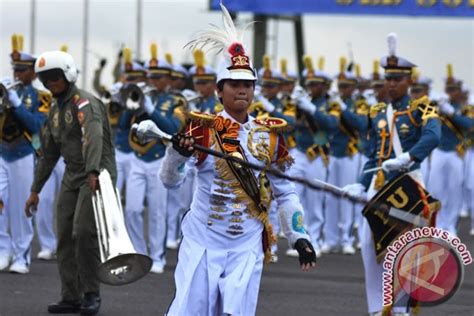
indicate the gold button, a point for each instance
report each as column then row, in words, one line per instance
column 209, row 223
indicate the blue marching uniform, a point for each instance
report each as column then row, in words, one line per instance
column 144, row 183
column 18, row 127
column 446, row 174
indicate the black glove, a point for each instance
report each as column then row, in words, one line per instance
column 305, row 256
column 103, row 61
column 183, row 148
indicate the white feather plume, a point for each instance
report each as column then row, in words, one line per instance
column 392, row 44
column 216, row 38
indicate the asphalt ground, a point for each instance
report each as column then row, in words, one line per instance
column 335, row 287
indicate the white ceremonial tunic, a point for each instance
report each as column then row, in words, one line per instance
column 220, row 258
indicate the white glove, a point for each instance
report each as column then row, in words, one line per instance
column 6, row 81
column 148, row 105
column 341, row 103
column 305, row 104
column 146, row 130
column 298, row 92
column 446, row 108
column 189, row 94
column 257, row 91
column 267, row 105
column 14, row 98
column 402, row 161
column 355, row 190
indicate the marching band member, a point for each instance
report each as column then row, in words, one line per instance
column 415, row 133
column 20, row 125
column 226, row 234
column 143, row 182
column 446, row 178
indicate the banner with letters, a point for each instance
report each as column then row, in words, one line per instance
column 433, row 8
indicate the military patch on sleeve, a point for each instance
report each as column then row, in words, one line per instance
column 82, row 103
column 80, row 117
column 297, row 222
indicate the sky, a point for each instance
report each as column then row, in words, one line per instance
column 430, row 43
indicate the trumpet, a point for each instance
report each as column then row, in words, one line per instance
column 133, row 95
column 4, row 101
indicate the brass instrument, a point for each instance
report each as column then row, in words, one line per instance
column 133, row 96
column 121, row 264
column 4, row 101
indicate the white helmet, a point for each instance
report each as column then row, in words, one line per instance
column 57, row 60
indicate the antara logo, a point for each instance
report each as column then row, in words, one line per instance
column 42, row 62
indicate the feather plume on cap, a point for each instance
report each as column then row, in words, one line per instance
column 267, row 71
column 358, row 71
column 63, row 48
column 342, row 65
column 154, row 51
column 15, row 47
column 449, row 70
column 308, row 63
column 321, row 62
column 284, row 66
column 198, row 58
column 169, row 58
column 392, row 44
column 228, row 39
column 20, row 42
column 127, row 55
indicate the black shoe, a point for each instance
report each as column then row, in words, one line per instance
column 64, row 307
column 90, row 304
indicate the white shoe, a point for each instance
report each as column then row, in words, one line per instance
column 157, row 268
column 401, row 314
column 172, row 244
column 325, row 248
column 46, row 254
column 348, row 250
column 376, row 314
column 358, row 245
column 292, row 253
column 281, row 234
column 274, row 258
column 464, row 213
column 471, row 232
column 19, row 268
column 4, row 262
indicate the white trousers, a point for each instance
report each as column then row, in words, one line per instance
column 358, row 217
column 124, row 165
column 179, row 201
column 311, row 200
column 339, row 212
column 446, row 180
column 144, row 182
column 16, row 230
column 44, row 218
column 373, row 270
column 469, row 182
column 216, row 276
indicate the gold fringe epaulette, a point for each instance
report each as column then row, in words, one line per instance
column 427, row 108
column 206, row 119
column 375, row 109
column 362, row 107
column 275, row 124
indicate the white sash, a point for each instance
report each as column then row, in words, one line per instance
column 397, row 147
